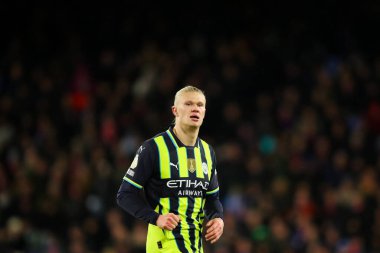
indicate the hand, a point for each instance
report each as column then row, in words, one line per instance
column 214, row 229
column 168, row 221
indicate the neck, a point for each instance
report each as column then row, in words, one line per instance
column 188, row 136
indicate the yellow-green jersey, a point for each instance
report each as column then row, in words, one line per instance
column 175, row 179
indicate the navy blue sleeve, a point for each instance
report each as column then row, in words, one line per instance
column 130, row 196
column 141, row 168
column 213, row 206
column 131, row 199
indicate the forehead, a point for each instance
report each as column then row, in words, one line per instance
column 191, row 95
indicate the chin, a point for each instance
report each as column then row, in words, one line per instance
column 195, row 125
column 198, row 124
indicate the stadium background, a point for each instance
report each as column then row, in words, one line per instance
column 293, row 113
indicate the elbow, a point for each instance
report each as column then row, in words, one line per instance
column 119, row 198
column 126, row 197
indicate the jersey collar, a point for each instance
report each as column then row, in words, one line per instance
column 177, row 143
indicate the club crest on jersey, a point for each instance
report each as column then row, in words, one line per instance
column 135, row 162
column 191, row 165
column 205, row 168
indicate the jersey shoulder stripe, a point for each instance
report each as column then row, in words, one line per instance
column 163, row 156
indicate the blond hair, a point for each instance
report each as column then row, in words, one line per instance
column 186, row 89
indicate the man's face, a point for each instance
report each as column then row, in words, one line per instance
column 190, row 109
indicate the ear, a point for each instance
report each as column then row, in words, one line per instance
column 174, row 111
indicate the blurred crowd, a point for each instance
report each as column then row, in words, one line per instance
column 295, row 124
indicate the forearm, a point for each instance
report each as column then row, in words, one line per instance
column 213, row 208
column 129, row 199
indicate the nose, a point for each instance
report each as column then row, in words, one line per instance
column 195, row 108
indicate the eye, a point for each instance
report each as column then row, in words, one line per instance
column 187, row 103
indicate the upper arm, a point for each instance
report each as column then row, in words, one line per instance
column 142, row 166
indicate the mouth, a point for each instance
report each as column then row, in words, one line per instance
column 194, row 117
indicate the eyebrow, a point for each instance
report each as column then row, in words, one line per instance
column 193, row 101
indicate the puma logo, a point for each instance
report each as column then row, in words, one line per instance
column 174, row 165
